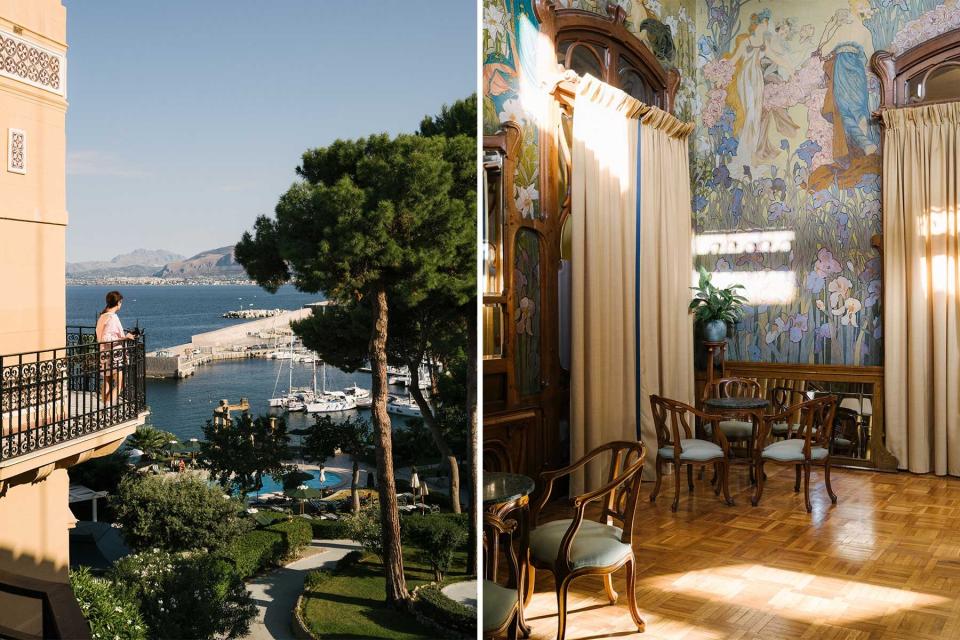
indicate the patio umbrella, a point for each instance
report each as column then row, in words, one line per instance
column 423, row 494
column 323, row 476
column 303, row 492
column 414, row 479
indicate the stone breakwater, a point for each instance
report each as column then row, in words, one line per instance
column 253, row 339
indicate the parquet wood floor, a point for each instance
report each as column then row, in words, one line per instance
column 883, row 564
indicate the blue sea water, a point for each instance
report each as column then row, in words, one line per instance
column 172, row 314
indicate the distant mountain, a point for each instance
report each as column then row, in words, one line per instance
column 214, row 262
column 140, row 262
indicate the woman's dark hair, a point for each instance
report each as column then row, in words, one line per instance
column 113, row 299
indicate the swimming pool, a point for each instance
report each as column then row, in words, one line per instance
column 331, row 479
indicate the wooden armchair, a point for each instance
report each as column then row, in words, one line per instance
column 806, row 445
column 781, row 399
column 502, row 606
column 846, row 432
column 573, row 547
column 676, row 444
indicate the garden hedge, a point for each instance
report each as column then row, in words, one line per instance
column 329, row 529
column 256, row 550
column 449, row 615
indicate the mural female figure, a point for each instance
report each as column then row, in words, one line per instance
column 745, row 93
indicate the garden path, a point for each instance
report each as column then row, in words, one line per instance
column 275, row 593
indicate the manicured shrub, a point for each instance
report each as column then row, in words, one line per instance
column 109, row 611
column 445, row 613
column 186, row 595
column 439, row 538
column 413, row 527
column 182, row 513
column 254, row 551
column 364, row 527
column 295, row 534
column 329, row 529
column 314, row 579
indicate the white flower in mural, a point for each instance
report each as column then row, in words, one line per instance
column 839, row 289
column 821, row 306
column 932, row 23
column 654, row 6
column 848, row 312
column 493, row 21
column 525, row 198
column 512, row 112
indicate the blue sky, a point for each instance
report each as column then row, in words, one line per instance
column 187, row 118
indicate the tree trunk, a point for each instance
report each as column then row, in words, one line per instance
column 431, row 421
column 472, row 437
column 354, row 482
column 396, row 585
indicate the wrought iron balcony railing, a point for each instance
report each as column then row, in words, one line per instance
column 57, row 395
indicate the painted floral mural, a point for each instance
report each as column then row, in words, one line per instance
column 785, row 144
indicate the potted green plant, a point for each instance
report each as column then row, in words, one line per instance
column 716, row 308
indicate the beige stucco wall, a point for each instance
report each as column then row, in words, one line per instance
column 32, row 288
column 42, row 509
column 33, row 211
column 34, row 513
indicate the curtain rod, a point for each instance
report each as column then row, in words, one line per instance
column 569, row 84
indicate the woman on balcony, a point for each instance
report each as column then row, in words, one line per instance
column 111, row 336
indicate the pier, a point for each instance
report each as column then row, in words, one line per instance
column 253, row 339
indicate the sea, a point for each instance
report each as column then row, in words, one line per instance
column 170, row 315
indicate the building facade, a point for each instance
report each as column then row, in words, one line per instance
column 52, row 414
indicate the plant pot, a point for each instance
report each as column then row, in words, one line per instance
column 715, row 331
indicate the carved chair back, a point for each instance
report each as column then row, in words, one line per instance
column 619, row 494
column 814, row 420
column 670, row 420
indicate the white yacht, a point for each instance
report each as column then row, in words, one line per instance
column 362, row 397
column 403, row 407
column 331, row 401
column 324, row 401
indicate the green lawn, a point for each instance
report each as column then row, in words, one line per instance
column 350, row 605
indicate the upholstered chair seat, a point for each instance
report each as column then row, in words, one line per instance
column 694, row 450
column 791, row 450
column 595, row 544
column 499, row 605
column 733, row 429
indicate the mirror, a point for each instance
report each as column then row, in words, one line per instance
column 940, row 84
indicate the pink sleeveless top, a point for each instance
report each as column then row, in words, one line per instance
column 109, row 328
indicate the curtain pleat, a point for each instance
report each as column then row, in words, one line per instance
column 610, row 192
column 921, row 269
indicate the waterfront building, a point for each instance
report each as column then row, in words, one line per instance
column 52, row 415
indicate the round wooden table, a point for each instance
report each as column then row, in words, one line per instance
column 503, row 494
column 754, row 408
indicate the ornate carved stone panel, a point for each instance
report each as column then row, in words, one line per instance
column 27, row 62
column 17, row 151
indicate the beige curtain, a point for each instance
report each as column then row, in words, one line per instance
column 921, row 265
column 603, row 376
column 666, row 264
